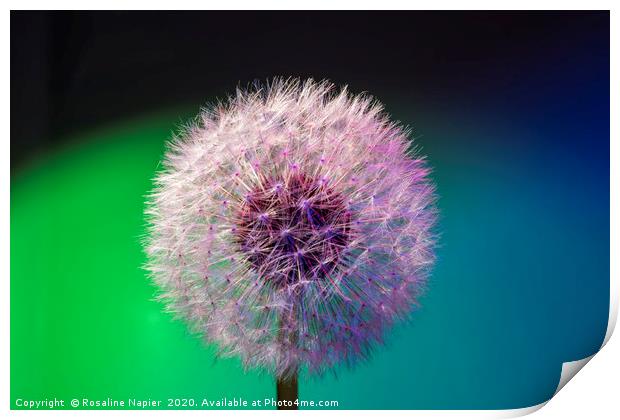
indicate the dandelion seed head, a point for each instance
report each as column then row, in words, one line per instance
column 292, row 226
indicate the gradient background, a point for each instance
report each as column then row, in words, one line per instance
column 512, row 110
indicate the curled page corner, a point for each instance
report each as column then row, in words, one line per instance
column 569, row 370
column 520, row 412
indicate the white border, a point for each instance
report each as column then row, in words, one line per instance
column 595, row 391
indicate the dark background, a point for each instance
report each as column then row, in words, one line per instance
column 73, row 70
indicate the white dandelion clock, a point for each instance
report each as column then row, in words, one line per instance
column 292, row 227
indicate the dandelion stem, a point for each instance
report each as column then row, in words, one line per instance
column 287, row 390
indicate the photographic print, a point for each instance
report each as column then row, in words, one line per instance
column 324, row 210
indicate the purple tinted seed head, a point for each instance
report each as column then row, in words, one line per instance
column 292, row 226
